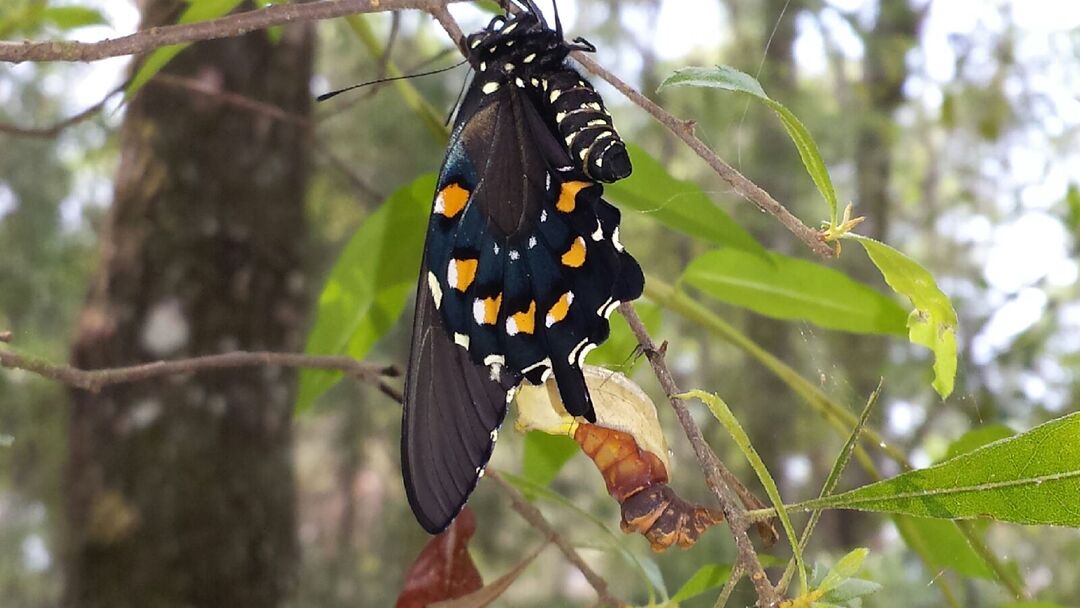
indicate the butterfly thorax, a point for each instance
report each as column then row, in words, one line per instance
column 520, row 47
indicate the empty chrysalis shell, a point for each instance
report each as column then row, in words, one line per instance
column 620, row 404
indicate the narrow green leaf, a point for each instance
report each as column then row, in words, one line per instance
column 678, row 204
column 369, row 284
column 197, row 10
column 933, row 321
column 723, row 414
column 789, row 288
column 71, row 17
column 832, row 479
column 729, row 79
column 1031, row 478
column 618, row 351
column 976, row 438
column 544, row 456
column 709, row 576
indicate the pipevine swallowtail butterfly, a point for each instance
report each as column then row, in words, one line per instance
column 522, row 266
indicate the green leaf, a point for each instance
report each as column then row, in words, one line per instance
column 618, row 351
column 545, row 455
column 933, row 321
column 677, row 203
column 197, row 10
column 709, row 576
column 845, row 568
column 723, row 414
column 369, row 284
column 976, row 438
column 850, row 589
column 1031, row 478
column 941, row 544
column 730, row 79
column 789, row 288
column 71, row 17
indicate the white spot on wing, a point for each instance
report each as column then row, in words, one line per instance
column 494, row 360
column 532, row 242
column 436, row 290
column 451, row 273
column 478, row 311
column 543, row 213
column 514, row 255
column 554, row 95
column 598, row 235
column 490, row 87
column 584, row 351
column 529, row 58
column 615, row 237
column 574, row 351
column 440, row 206
column 461, row 340
column 511, row 326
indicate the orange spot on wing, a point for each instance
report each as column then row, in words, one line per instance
column 465, row 273
column 451, row 200
column 559, row 309
column 568, row 195
column 526, row 321
column 491, row 309
column 575, row 256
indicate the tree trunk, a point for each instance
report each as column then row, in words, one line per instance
column 181, row 490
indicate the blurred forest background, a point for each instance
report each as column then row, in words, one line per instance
column 185, row 222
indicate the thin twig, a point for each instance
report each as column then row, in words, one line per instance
column 684, row 129
column 224, row 27
column 733, row 580
column 237, row 100
column 95, row 380
column 537, row 520
column 710, row 464
column 55, row 129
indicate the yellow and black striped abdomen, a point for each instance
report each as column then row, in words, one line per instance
column 585, row 126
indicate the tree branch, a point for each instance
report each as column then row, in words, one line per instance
column 714, row 470
column 95, row 380
column 224, row 27
column 537, row 520
column 746, row 188
column 55, row 129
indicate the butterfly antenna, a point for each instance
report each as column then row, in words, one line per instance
column 457, row 102
column 326, row 96
column 558, row 22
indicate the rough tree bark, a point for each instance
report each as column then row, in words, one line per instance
column 181, row 490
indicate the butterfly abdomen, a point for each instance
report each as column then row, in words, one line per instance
column 585, row 126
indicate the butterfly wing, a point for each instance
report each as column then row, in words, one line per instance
column 453, row 409
column 522, row 266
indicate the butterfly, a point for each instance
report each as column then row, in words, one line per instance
column 522, row 264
